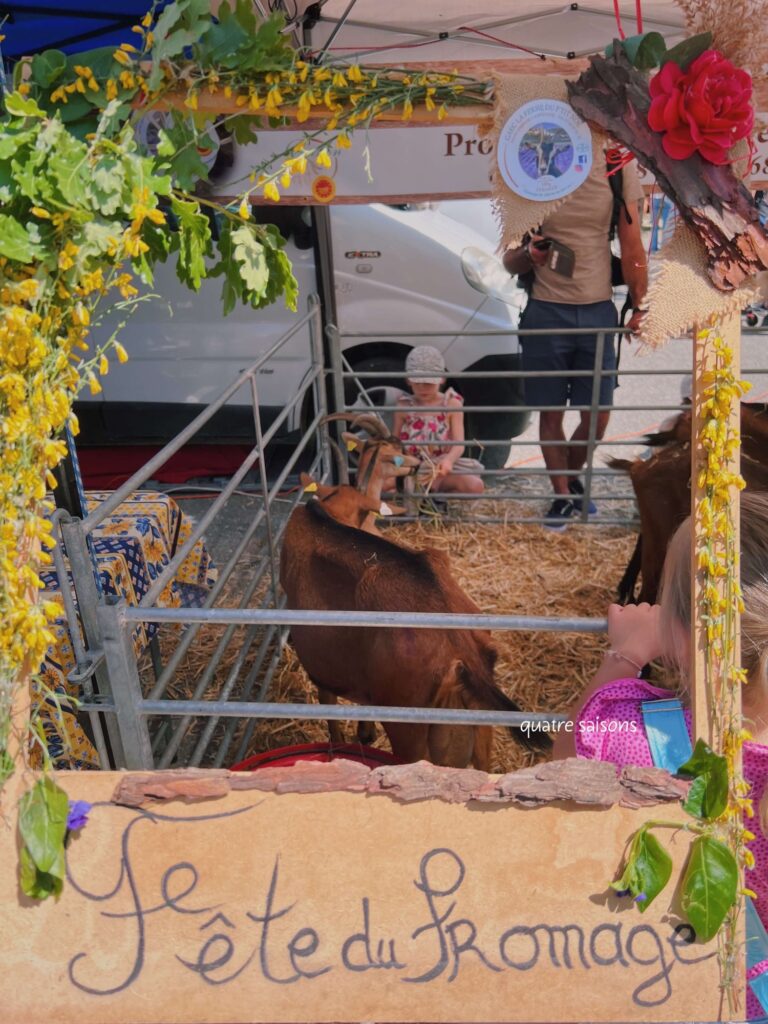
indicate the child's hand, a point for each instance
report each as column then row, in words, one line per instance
column 633, row 630
column 444, row 467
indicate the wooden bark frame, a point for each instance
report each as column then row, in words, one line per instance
column 154, row 938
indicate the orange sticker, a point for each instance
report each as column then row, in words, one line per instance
column 323, row 188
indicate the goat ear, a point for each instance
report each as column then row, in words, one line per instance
column 391, row 510
column 353, row 442
column 370, row 504
column 325, row 490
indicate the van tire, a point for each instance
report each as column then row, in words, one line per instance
column 377, row 364
column 493, row 426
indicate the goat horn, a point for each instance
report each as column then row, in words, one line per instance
column 370, row 422
column 341, row 462
column 373, row 423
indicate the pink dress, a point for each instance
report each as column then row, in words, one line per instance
column 619, row 702
column 430, row 427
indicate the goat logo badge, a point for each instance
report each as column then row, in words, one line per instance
column 545, row 150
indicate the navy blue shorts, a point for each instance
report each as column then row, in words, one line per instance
column 558, row 351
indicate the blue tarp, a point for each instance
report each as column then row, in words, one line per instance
column 71, row 26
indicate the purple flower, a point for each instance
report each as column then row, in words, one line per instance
column 78, row 814
column 641, row 897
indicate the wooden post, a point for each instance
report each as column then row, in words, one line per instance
column 703, row 362
column 704, row 693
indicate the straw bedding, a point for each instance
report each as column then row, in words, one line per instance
column 506, row 569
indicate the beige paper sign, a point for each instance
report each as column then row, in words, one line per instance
column 337, row 906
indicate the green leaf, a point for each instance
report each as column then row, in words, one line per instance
column 11, row 142
column 40, row 884
column 20, row 106
column 708, row 796
column 180, row 25
column 285, row 278
column 7, row 767
column 77, row 108
column 695, row 801
column 702, row 760
column 226, row 267
column 709, row 886
column 224, row 39
column 179, row 148
column 71, row 170
column 194, row 242
column 251, row 259
column 266, row 46
column 43, row 823
column 15, row 243
column 48, row 67
column 106, row 183
column 99, row 60
column 645, row 51
column 688, row 50
column 244, row 128
column 647, row 871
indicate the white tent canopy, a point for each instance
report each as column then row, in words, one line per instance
column 403, row 31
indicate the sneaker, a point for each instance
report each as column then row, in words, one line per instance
column 576, row 487
column 560, row 511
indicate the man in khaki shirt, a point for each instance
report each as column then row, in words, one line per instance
column 584, row 300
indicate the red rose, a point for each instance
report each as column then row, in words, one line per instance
column 705, row 109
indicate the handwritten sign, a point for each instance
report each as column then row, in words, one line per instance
column 343, row 907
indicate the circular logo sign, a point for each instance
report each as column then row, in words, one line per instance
column 323, row 188
column 544, row 150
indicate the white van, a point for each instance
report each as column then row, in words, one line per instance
column 396, row 269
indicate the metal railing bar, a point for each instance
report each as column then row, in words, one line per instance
column 392, row 620
column 278, row 632
column 225, row 693
column 83, row 657
column 357, row 712
column 263, row 689
column 508, row 496
column 210, row 670
column 294, row 458
column 485, row 374
column 186, row 641
column 455, row 520
column 515, row 333
column 141, row 475
column 200, row 527
column 498, row 333
column 532, row 408
column 169, row 572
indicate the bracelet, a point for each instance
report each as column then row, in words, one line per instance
column 622, row 657
column 639, row 309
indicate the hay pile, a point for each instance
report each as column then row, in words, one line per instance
column 506, row 569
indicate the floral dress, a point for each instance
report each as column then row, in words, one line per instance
column 429, row 428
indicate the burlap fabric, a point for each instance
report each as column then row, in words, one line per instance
column 681, row 294
column 514, row 213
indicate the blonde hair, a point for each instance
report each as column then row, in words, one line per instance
column 675, row 596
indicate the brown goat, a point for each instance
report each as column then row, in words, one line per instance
column 662, row 486
column 380, row 457
column 326, row 564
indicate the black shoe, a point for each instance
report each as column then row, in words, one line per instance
column 576, row 487
column 560, row 512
